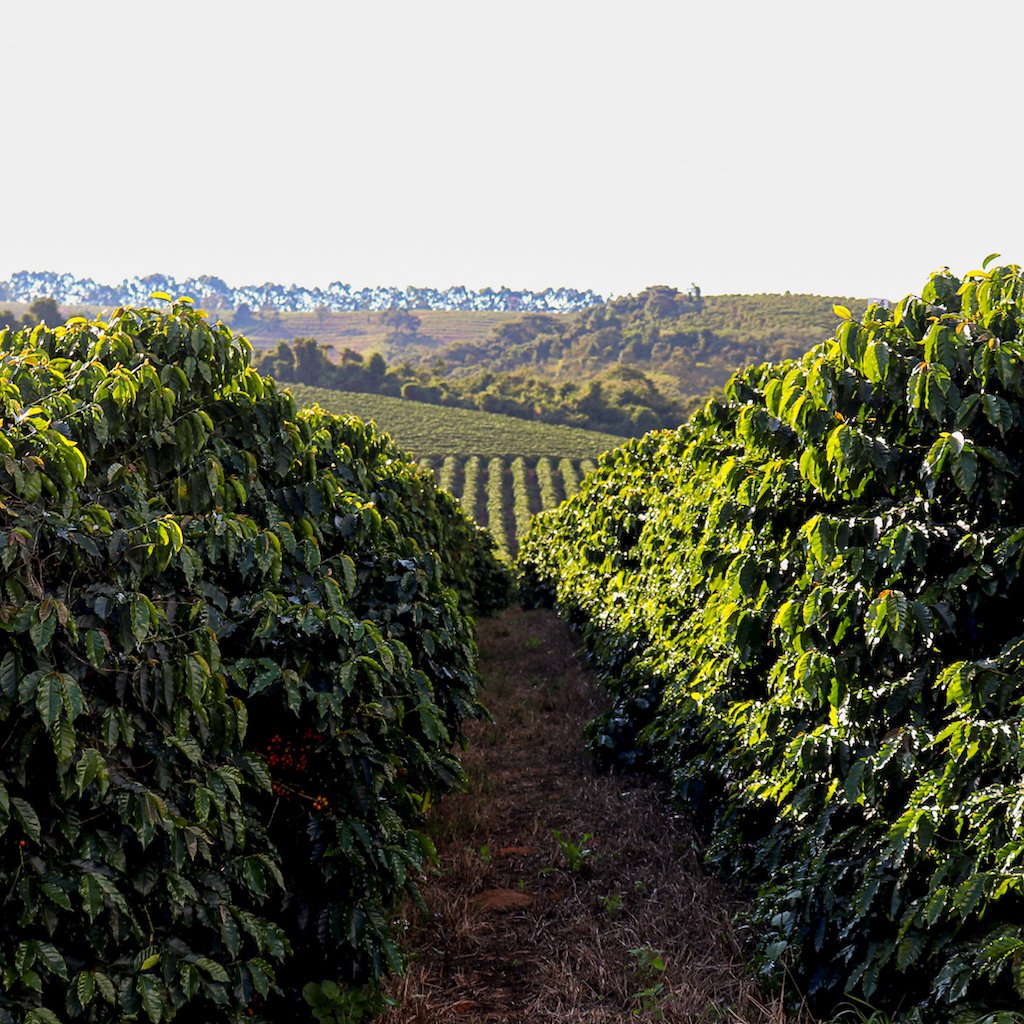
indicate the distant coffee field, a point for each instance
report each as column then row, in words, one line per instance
column 503, row 470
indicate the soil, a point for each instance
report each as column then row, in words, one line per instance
column 561, row 894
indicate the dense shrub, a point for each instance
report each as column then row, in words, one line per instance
column 234, row 662
column 807, row 601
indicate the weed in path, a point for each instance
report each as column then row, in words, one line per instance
column 650, row 966
column 576, row 853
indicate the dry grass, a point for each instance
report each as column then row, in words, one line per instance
column 359, row 330
column 365, row 331
column 523, row 928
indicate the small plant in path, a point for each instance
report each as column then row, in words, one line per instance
column 576, row 854
column 650, row 966
column 611, row 904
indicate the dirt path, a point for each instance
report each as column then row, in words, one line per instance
column 561, row 895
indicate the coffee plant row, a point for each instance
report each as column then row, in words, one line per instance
column 807, row 602
column 503, row 493
column 236, row 655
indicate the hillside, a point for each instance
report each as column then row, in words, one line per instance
column 434, row 431
column 698, row 341
column 366, row 330
column 626, row 366
column 358, row 330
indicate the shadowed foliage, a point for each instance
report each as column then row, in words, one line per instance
column 235, row 659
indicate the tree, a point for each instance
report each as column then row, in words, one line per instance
column 400, row 322
column 376, row 368
column 243, row 316
column 43, row 311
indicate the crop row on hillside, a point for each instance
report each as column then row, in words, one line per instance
column 503, row 494
column 431, row 430
column 807, row 604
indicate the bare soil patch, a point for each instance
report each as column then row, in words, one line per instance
column 560, row 894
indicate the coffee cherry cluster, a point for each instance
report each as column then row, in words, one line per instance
column 287, row 756
column 292, row 758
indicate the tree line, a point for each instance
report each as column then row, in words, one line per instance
column 622, row 400
column 42, row 311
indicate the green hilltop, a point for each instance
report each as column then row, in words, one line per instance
column 429, row 431
column 624, row 367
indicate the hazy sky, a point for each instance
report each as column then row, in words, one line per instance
column 745, row 146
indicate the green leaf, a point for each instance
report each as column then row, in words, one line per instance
column 53, row 960
column 92, row 899
column 966, row 411
column 90, row 766
column 970, row 893
column 138, row 613
column 106, row 987
column 841, row 311
column 197, row 673
column 211, row 967
column 71, row 692
column 937, row 454
column 49, row 699
column 998, row 412
column 64, row 741
column 965, row 468
column 852, row 783
column 850, row 342
column 96, row 646
column 876, row 361
column 41, row 630
column 9, row 675
column 940, row 346
column 41, row 1015
column 333, row 595
column 152, row 1001
column 75, row 462
column 820, row 539
column 55, row 894
column 988, row 259
column 909, row 950
column 85, row 987
column 27, row 818
column 936, row 905
column 253, row 873
column 262, row 975
column 348, row 573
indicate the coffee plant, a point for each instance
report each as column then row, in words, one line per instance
column 807, row 602
column 521, row 510
column 570, row 476
column 469, row 499
column 235, row 656
column 496, row 504
column 547, row 487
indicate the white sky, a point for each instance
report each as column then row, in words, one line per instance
column 747, row 146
